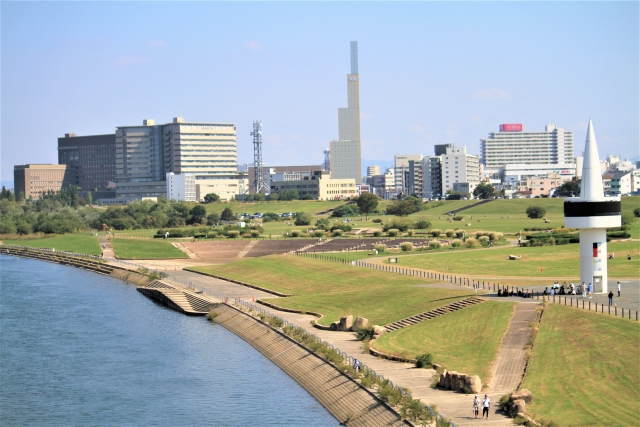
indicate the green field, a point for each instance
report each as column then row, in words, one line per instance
column 555, row 261
column 145, row 249
column 337, row 290
column 311, row 207
column 584, row 369
column 465, row 341
column 80, row 243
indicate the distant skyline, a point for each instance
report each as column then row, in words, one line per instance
column 430, row 72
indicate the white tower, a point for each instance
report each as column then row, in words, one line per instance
column 592, row 213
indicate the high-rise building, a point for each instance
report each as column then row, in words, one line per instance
column 432, row 177
column 401, row 171
column 373, row 170
column 459, row 167
column 90, row 160
column 145, row 154
column 512, row 145
column 32, row 180
column 181, row 187
column 415, row 182
column 345, row 152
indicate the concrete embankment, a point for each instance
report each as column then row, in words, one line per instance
column 351, row 404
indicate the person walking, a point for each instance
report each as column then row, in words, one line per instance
column 476, row 405
column 619, row 289
column 486, row 403
column 356, row 366
column 584, row 290
column 590, row 289
column 610, row 297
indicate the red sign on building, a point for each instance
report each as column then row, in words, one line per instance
column 514, row 127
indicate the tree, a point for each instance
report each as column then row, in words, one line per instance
column 227, row 214
column 273, row 197
column 536, row 211
column 345, row 210
column 291, row 194
column 302, row 218
column 270, row 216
column 569, row 188
column 198, row 213
column 484, row 190
column 6, row 194
column 322, row 223
column 211, row 198
column 89, row 197
column 258, row 197
column 213, row 219
column 402, row 207
column 636, row 212
column 367, row 202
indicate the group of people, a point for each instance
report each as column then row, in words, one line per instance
column 518, row 293
column 485, row 404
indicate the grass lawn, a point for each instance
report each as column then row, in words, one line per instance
column 311, row 207
column 80, row 243
column 145, row 249
column 556, row 261
column 584, row 369
column 464, row 341
column 337, row 290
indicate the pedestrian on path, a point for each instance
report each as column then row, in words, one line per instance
column 356, row 365
column 486, row 403
column 584, row 290
column 610, row 297
column 619, row 289
column 590, row 289
column 476, row 405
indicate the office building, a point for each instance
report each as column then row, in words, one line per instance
column 345, row 153
column 459, row 167
column 401, row 171
column 303, row 170
column 32, row 180
column 90, row 160
column 432, row 177
column 318, row 186
column 517, row 172
column 415, row 178
column 373, row 170
column 226, row 187
column 144, row 154
column 542, row 186
column 512, row 145
column 181, row 187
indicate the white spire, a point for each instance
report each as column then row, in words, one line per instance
column 591, row 188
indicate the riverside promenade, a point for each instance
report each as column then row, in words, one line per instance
column 453, row 405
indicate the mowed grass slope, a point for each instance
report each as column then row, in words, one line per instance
column 337, row 290
column 80, row 243
column 465, row 341
column 584, row 369
column 311, row 207
column 145, row 249
column 555, row 261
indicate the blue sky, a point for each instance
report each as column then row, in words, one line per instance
column 430, row 72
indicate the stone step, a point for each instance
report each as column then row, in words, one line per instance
column 440, row 311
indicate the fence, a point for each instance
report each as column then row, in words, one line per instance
column 53, row 251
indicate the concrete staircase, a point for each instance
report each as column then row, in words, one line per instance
column 474, row 205
column 427, row 315
column 178, row 299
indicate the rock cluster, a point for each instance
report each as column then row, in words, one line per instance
column 518, row 402
column 348, row 324
column 456, row 381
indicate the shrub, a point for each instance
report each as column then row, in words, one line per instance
column 393, row 232
column 459, row 234
column 536, row 211
column 636, row 212
column 458, row 218
column 401, row 224
column 233, row 233
column 345, row 210
column 471, row 242
column 450, row 233
column 422, row 224
column 406, row 246
column 302, row 218
column 246, row 235
column 271, row 216
column 480, row 234
column 377, row 220
column 424, row 360
column 483, row 240
column 344, row 227
column 226, row 215
column 381, row 248
column 456, row 243
column 318, row 233
column 295, row 233
column 337, row 233
column 436, row 232
column 255, row 233
column 364, row 334
column 377, row 233
column 434, row 245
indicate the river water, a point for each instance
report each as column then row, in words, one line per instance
column 78, row 348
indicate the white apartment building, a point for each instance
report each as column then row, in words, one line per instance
column 512, row 145
column 225, row 187
column 459, row 167
column 181, row 187
column 401, row 171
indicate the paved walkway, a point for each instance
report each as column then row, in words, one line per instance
column 107, row 247
column 508, row 369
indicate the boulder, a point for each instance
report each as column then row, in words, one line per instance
column 441, row 381
column 360, row 323
column 447, row 380
column 474, row 384
column 453, row 380
column 517, row 407
column 378, row 330
column 524, row 395
column 462, row 379
column 345, row 323
column 334, row 326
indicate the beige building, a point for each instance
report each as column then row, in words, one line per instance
column 373, row 170
column 319, row 186
column 542, row 185
column 33, row 180
column 227, row 189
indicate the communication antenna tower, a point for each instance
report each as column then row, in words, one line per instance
column 258, row 182
column 327, row 159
